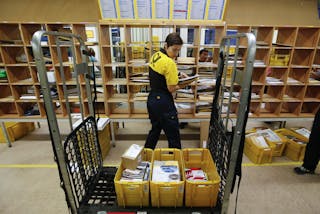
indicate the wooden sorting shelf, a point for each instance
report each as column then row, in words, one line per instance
column 20, row 92
column 288, row 54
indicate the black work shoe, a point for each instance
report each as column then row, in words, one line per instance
column 300, row 170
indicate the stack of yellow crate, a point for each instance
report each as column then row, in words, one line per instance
column 262, row 144
column 174, row 191
column 277, row 142
column 303, row 132
column 16, row 130
column 257, row 149
column 168, row 194
column 155, row 44
column 201, row 193
column 296, row 144
column 138, row 53
column 133, row 193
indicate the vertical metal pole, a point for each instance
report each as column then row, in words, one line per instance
column 51, row 117
column 5, row 133
column 64, row 87
column 233, row 74
column 225, row 68
column 112, row 133
column 87, row 80
column 243, row 105
column 75, row 68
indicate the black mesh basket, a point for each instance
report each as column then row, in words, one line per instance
column 92, row 183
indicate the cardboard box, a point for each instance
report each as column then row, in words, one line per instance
column 104, row 136
column 204, row 133
column 132, row 156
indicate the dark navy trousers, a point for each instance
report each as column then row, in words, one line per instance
column 312, row 154
column 163, row 116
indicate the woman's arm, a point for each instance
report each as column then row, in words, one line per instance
column 173, row 88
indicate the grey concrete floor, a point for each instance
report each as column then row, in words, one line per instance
column 29, row 180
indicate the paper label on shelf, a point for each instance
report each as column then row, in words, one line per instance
column 144, row 9
column 162, row 9
column 126, row 9
column 108, row 8
column 216, row 9
column 180, row 9
column 198, row 9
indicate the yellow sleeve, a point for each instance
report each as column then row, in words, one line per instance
column 171, row 73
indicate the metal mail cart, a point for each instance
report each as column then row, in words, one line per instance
column 88, row 185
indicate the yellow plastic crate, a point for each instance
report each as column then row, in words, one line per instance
column 279, row 59
column 133, row 193
column 201, row 193
column 277, row 145
column 29, row 126
column 294, row 150
column 305, row 138
column 16, row 130
column 256, row 154
column 229, row 72
column 168, row 194
column 252, row 130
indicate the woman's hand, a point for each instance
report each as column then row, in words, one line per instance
column 173, row 88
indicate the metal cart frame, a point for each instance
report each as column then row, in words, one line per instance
column 226, row 133
column 80, row 68
column 66, row 151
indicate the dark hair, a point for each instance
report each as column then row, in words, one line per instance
column 203, row 50
column 173, row 39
